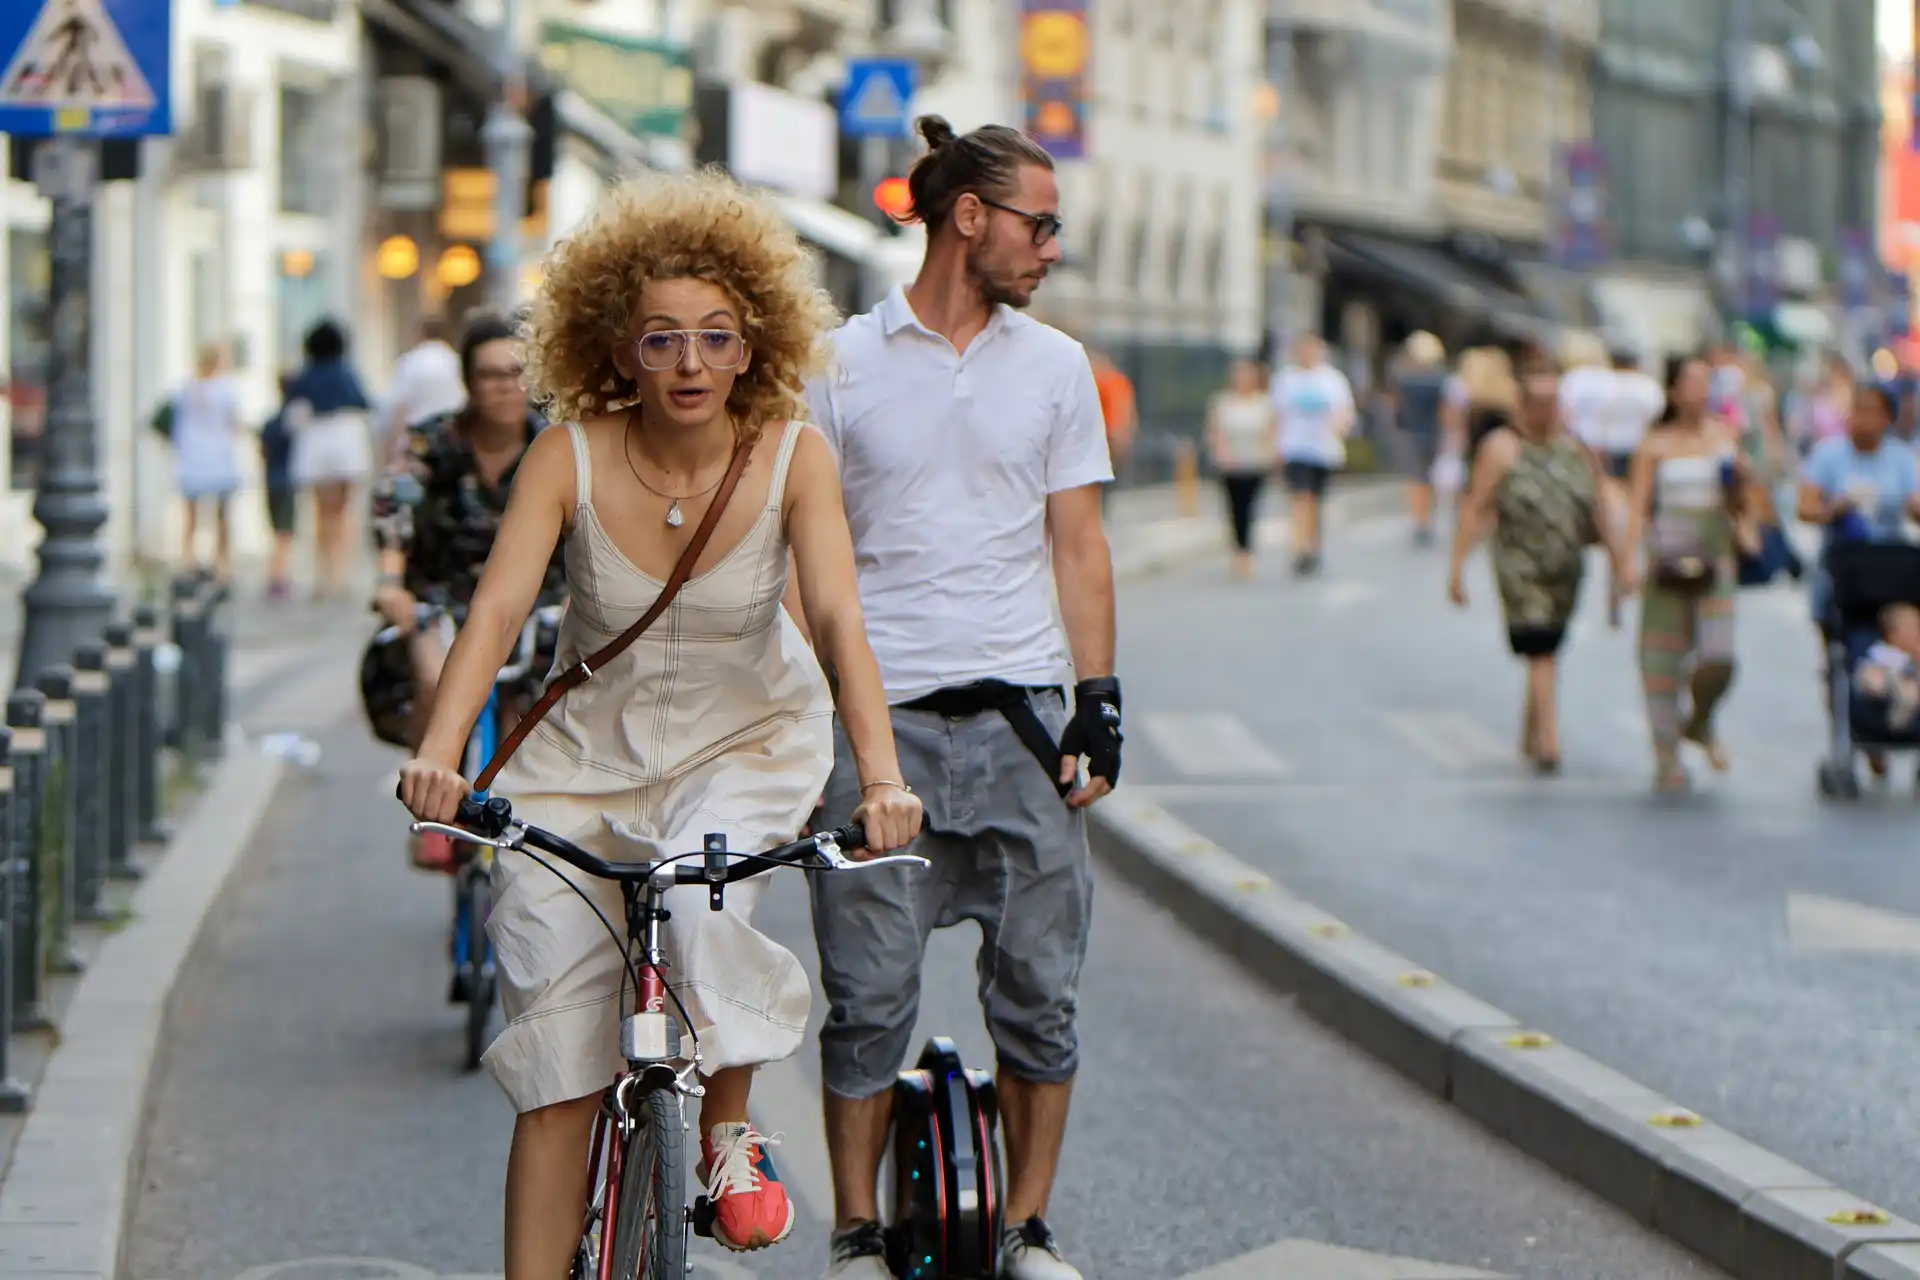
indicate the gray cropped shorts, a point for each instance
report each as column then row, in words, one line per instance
column 1008, row 853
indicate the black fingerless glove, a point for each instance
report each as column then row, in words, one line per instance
column 1094, row 731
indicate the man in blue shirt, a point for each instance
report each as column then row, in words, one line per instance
column 1860, row 486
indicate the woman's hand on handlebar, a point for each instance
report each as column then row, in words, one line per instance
column 891, row 817
column 396, row 604
column 432, row 792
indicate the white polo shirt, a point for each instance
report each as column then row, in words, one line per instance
column 946, row 460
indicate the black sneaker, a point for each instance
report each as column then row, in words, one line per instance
column 858, row 1252
column 1028, row 1252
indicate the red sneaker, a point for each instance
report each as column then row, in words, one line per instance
column 751, row 1209
column 432, row 851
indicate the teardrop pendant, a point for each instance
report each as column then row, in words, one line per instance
column 674, row 518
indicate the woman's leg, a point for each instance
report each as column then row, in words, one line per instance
column 547, row 1188
column 1665, row 637
column 1712, row 669
column 189, row 534
column 1240, row 494
column 726, row 1100
column 222, row 541
column 1542, row 675
column 331, row 499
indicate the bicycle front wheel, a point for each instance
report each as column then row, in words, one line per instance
column 478, row 891
column 650, row 1222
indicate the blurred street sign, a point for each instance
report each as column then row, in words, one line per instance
column 94, row 68
column 1055, row 52
column 1581, row 235
column 877, row 97
column 646, row 86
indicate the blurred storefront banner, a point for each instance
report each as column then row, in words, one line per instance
column 1055, row 49
column 1581, row 239
column 1758, row 291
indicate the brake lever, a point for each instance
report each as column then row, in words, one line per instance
column 838, row 861
column 513, row 841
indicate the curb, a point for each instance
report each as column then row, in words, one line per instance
column 64, row 1199
column 1747, row 1211
column 1184, row 539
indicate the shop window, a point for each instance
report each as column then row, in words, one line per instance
column 303, row 151
column 29, row 340
column 299, row 303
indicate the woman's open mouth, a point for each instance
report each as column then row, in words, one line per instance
column 689, row 397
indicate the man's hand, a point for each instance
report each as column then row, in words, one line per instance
column 1094, row 732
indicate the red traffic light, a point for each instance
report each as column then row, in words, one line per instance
column 891, row 197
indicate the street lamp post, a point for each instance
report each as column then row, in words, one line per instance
column 68, row 603
column 1738, row 158
column 1280, row 179
column 509, row 142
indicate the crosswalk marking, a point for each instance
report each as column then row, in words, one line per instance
column 1836, row 926
column 1310, row 1260
column 1451, row 739
column 1210, row 744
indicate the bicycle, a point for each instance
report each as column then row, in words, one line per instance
column 638, row 1223
column 473, row 983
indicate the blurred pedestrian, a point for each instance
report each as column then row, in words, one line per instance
column 1315, row 408
column 1689, row 487
column 1489, row 394
column 1539, row 489
column 1419, row 390
column 1764, row 446
column 327, row 413
column 276, row 467
column 426, row 384
column 206, row 443
column 1120, row 409
column 1240, row 448
column 1862, row 486
column 1830, row 406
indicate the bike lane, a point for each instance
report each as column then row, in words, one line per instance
column 309, row 1120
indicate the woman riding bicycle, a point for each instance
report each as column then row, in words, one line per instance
column 437, row 511
column 677, row 329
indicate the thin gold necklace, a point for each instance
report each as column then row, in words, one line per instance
column 674, row 516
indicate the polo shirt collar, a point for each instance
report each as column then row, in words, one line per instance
column 896, row 313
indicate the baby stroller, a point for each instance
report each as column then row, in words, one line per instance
column 1866, row 577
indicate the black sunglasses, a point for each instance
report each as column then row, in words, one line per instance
column 1045, row 225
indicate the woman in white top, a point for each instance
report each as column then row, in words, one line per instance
column 1314, row 403
column 206, row 430
column 1240, row 445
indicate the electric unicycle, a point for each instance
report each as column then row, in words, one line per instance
column 948, row 1186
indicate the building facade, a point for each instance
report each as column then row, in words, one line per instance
column 1742, row 143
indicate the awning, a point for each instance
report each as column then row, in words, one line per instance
column 455, row 41
column 1440, row 278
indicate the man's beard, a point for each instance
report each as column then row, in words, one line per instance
column 997, row 288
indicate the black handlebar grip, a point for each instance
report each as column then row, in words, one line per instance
column 852, row 836
column 485, row 819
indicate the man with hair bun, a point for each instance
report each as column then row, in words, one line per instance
column 972, row 450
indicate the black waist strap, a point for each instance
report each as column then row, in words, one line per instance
column 1013, row 701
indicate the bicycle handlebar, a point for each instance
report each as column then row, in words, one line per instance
column 491, row 822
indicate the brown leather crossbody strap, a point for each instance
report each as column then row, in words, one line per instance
column 582, row 671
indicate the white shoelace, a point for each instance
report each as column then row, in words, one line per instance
column 733, row 1172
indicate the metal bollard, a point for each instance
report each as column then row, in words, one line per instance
column 123, row 744
column 90, row 770
column 13, row 1094
column 57, row 822
column 25, row 854
column 183, row 733
column 216, row 645
column 147, row 637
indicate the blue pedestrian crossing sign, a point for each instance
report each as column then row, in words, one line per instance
column 94, row 68
column 877, row 97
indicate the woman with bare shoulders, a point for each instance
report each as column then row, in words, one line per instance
column 674, row 332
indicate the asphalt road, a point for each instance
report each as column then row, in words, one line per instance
column 310, row 1105
column 1748, row 949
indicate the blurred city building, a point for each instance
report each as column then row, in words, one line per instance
column 1411, row 169
column 1742, row 145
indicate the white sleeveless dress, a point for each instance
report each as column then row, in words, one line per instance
column 718, row 719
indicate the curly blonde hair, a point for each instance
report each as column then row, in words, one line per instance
column 702, row 225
